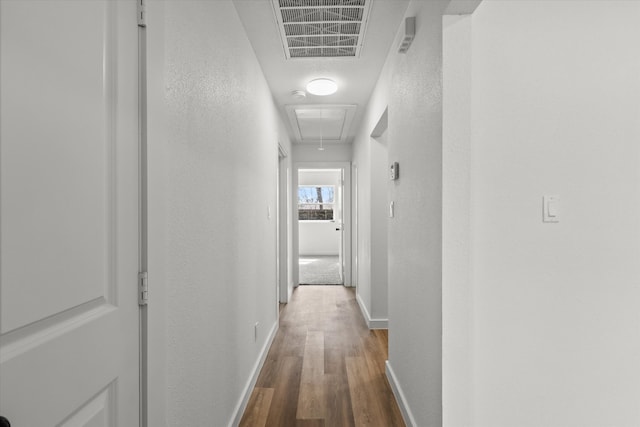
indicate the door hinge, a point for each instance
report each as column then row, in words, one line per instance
column 142, row 13
column 143, row 288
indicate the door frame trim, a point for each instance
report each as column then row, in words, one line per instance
column 143, row 218
column 346, row 216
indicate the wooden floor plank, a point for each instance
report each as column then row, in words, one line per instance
column 284, row 403
column 258, row 408
column 311, row 423
column 325, row 367
column 338, row 401
column 378, row 384
column 311, row 400
column 364, row 399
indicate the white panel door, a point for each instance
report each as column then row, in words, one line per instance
column 68, row 213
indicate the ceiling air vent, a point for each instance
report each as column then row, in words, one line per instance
column 322, row 28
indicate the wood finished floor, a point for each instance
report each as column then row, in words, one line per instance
column 325, row 367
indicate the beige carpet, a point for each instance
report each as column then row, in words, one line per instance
column 319, row 270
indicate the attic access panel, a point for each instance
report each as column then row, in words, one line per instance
column 329, row 123
column 322, row 28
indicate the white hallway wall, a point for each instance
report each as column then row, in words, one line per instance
column 556, row 110
column 372, row 163
column 213, row 148
column 410, row 86
column 379, row 211
column 331, row 153
column 371, row 160
column 457, row 308
column 415, row 233
column 606, row 310
column 549, row 94
column 536, row 315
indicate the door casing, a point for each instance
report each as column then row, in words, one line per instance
column 345, row 167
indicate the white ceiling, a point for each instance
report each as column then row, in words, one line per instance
column 356, row 77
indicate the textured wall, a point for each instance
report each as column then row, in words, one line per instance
column 457, row 290
column 379, row 208
column 410, row 86
column 320, row 177
column 370, row 159
column 222, row 134
column 556, row 90
column 415, row 234
column 331, row 153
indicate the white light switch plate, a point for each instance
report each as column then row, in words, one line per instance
column 551, row 209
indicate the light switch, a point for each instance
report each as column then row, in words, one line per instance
column 551, row 209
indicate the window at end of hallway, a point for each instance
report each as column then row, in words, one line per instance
column 315, row 202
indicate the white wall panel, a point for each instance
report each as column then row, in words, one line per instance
column 555, row 112
column 219, row 247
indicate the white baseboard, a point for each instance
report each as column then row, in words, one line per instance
column 371, row 323
column 397, row 392
column 248, row 388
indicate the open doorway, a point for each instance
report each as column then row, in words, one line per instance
column 322, row 220
column 320, row 227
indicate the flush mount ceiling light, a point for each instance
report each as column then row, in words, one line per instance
column 322, row 87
